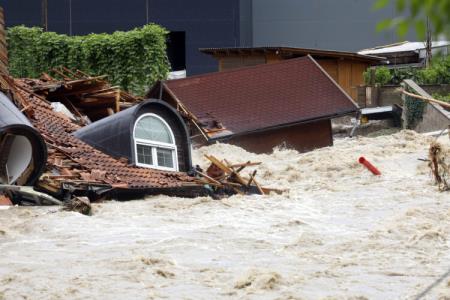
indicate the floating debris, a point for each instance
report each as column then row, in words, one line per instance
column 79, row 204
column 440, row 165
column 226, row 178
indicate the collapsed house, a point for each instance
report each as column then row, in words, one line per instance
column 73, row 167
column 260, row 107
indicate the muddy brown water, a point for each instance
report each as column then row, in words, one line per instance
column 338, row 233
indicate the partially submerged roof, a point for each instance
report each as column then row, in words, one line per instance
column 402, row 47
column 291, row 52
column 261, row 97
column 70, row 159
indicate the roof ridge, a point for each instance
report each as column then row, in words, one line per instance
column 221, row 73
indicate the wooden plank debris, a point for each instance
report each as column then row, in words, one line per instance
column 88, row 98
column 232, row 179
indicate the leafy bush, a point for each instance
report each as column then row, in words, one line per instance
column 437, row 73
column 382, row 76
column 134, row 60
column 445, row 98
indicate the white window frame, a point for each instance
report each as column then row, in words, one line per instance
column 154, row 145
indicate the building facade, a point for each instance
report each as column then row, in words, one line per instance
column 346, row 25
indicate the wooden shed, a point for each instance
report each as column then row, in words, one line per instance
column 346, row 68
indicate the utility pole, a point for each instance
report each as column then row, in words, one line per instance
column 44, row 6
column 70, row 17
column 146, row 11
column 428, row 45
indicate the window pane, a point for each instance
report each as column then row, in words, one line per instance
column 153, row 129
column 165, row 157
column 144, row 154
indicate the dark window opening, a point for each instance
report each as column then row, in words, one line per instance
column 176, row 50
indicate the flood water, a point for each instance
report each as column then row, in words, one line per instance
column 338, row 233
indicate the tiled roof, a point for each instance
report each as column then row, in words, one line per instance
column 264, row 96
column 85, row 162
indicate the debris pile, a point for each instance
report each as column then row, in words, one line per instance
column 226, row 178
column 87, row 98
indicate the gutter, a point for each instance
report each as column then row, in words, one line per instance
column 336, row 115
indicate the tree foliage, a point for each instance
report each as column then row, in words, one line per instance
column 134, row 60
column 415, row 15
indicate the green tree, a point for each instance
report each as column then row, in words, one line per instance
column 414, row 15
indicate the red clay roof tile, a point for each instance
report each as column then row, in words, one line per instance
column 88, row 162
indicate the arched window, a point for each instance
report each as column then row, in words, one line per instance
column 154, row 142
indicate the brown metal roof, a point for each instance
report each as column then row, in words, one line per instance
column 292, row 52
column 261, row 97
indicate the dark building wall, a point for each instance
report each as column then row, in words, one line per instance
column 246, row 23
column 302, row 137
column 329, row 24
column 206, row 23
column 347, row 25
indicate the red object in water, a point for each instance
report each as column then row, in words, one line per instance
column 369, row 166
column 4, row 200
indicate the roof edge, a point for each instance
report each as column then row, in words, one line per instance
column 324, row 117
column 317, row 52
column 333, row 81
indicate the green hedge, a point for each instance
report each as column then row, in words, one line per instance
column 134, row 60
column 437, row 73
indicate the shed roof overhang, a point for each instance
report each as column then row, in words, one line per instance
column 292, row 52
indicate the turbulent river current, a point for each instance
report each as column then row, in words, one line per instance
column 339, row 232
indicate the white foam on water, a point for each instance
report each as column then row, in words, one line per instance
column 338, row 233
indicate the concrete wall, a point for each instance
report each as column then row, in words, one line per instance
column 389, row 95
column 434, row 117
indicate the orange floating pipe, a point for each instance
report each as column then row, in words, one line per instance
column 369, row 166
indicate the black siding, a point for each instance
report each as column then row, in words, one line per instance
column 114, row 135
